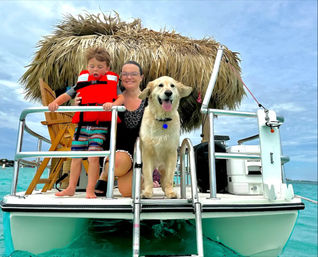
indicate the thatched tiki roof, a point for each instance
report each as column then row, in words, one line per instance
column 59, row 59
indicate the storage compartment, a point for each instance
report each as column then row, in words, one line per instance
column 244, row 176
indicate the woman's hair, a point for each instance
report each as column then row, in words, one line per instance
column 135, row 63
column 99, row 53
column 140, row 71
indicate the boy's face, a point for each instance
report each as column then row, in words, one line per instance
column 97, row 68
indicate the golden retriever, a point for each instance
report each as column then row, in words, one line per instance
column 160, row 132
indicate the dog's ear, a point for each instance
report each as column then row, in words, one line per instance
column 184, row 90
column 146, row 92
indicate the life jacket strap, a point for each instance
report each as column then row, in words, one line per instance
column 82, row 84
column 79, row 126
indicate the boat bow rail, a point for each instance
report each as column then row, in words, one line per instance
column 270, row 145
column 20, row 155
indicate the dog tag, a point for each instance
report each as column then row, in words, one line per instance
column 165, row 126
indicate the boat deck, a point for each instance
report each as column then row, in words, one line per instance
column 158, row 207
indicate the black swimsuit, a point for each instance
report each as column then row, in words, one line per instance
column 128, row 129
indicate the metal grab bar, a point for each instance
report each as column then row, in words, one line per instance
column 111, row 152
column 187, row 145
column 246, row 139
column 61, row 154
column 32, row 133
column 136, row 198
column 213, row 78
column 230, row 113
column 30, row 110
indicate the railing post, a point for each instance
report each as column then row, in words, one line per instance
column 136, row 199
column 183, row 193
column 112, row 149
column 17, row 162
column 38, row 160
column 204, row 109
column 213, row 78
column 212, row 172
column 39, row 150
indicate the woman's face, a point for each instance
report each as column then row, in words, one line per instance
column 130, row 76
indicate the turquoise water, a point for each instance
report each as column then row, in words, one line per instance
column 159, row 238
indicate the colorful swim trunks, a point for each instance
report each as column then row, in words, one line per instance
column 90, row 139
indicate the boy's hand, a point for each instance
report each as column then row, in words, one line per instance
column 53, row 106
column 107, row 106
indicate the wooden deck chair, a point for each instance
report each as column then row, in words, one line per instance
column 61, row 131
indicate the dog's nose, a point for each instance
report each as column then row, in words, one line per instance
column 168, row 93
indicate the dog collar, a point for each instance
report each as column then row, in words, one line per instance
column 164, row 120
column 164, row 125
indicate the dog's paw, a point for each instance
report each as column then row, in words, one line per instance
column 146, row 195
column 171, row 195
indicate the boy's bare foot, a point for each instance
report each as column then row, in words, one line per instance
column 66, row 192
column 90, row 193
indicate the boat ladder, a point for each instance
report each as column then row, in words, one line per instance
column 186, row 147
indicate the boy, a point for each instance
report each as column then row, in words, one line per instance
column 96, row 86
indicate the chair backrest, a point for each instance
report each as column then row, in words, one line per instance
column 55, row 121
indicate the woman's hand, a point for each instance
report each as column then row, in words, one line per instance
column 77, row 99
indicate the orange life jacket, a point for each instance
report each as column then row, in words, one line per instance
column 93, row 93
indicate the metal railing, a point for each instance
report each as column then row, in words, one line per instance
column 216, row 112
column 59, row 154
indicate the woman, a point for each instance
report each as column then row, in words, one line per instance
column 127, row 131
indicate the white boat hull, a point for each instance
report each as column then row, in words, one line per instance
column 41, row 234
column 251, row 226
column 252, row 234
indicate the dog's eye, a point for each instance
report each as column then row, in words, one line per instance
column 172, row 85
column 160, row 85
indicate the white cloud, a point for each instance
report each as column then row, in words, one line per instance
column 305, row 156
column 33, row 8
column 290, row 107
column 8, row 121
column 9, row 84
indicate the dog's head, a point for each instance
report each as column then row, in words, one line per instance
column 165, row 92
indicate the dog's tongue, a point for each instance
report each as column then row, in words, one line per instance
column 167, row 106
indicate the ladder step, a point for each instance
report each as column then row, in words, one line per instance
column 169, row 255
column 164, row 201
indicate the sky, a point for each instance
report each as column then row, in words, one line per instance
column 276, row 39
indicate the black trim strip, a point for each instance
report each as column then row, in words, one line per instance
column 150, row 208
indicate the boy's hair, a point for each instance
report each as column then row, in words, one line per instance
column 99, row 53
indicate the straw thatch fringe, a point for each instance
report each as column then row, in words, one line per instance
column 60, row 58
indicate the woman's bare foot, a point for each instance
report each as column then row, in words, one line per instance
column 156, row 184
column 66, row 192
